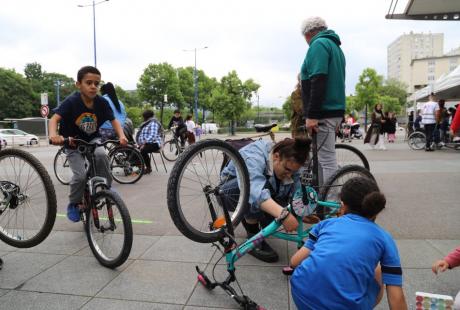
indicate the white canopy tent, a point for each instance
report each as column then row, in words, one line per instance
column 446, row 87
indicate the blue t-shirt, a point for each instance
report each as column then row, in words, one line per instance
column 119, row 115
column 78, row 121
column 339, row 272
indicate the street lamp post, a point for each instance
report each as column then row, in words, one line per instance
column 195, row 83
column 94, row 24
column 58, row 97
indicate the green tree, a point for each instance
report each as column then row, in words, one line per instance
column 367, row 91
column 390, row 104
column 229, row 100
column 287, row 107
column 159, row 80
column 33, row 71
column 129, row 98
column 186, row 86
column 49, row 85
column 17, row 98
column 395, row 89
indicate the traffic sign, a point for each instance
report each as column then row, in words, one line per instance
column 44, row 98
column 44, row 110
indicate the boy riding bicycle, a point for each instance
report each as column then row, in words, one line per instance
column 181, row 129
column 80, row 116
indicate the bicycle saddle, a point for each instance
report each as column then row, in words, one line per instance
column 264, row 128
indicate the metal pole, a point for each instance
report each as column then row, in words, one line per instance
column 258, row 108
column 94, row 32
column 58, row 86
column 196, row 91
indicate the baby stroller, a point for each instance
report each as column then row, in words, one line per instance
column 355, row 132
column 345, row 132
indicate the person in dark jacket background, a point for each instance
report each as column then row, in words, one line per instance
column 323, row 89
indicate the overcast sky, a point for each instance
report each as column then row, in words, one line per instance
column 259, row 39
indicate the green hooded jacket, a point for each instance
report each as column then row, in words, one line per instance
column 325, row 57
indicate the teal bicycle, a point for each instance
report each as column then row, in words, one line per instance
column 194, row 196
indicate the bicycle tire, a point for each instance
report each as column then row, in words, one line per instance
column 99, row 244
column 35, row 194
column 353, row 156
column 331, row 189
column 171, row 150
column 61, row 167
column 417, row 140
column 195, row 212
column 126, row 164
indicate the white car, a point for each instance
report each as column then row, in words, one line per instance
column 18, row 137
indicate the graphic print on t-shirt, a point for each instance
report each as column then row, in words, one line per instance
column 87, row 122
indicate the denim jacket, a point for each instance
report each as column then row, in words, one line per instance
column 257, row 157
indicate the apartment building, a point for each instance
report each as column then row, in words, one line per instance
column 408, row 47
column 427, row 70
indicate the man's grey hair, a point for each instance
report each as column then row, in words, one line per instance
column 314, row 23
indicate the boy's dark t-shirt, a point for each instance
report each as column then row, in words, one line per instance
column 78, row 121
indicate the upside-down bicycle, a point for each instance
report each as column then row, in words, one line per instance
column 193, row 196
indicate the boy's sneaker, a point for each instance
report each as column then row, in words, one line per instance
column 73, row 212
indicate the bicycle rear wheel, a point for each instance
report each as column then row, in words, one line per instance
column 126, row 165
column 171, row 150
column 197, row 191
column 28, row 203
column 349, row 155
column 417, row 140
column 330, row 191
column 62, row 168
column 108, row 229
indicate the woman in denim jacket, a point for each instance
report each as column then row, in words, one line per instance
column 273, row 174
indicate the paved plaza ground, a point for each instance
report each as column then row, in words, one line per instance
column 423, row 214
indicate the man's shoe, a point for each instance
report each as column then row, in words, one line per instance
column 264, row 252
column 73, row 212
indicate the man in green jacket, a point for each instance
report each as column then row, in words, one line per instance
column 323, row 90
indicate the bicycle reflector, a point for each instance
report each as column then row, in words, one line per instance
column 219, row 222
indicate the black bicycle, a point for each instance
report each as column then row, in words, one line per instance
column 126, row 164
column 104, row 215
column 172, row 148
column 27, row 200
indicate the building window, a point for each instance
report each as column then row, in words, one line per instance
column 431, row 62
column 431, row 78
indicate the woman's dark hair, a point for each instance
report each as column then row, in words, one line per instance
column 85, row 70
column 441, row 103
column 176, row 111
column 296, row 149
column 147, row 114
column 189, row 117
column 109, row 89
column 375, row 108
column 363, row 197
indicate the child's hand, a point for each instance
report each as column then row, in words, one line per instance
column 440, row 265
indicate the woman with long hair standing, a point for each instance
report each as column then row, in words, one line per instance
column 374, row 135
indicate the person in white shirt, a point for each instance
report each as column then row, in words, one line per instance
column 190, row 129
column 429, row 120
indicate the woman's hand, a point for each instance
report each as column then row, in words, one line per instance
column 290, row 223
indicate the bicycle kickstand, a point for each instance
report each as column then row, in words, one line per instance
column 244, row 301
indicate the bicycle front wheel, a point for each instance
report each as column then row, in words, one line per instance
column 62, row 168
column 108, row 229
column 126, row 165
column 417, row 140
column 197, row 191
column 349, row 155
column 28, row 203
column 171, row 150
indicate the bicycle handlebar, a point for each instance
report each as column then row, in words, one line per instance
column 69, row 140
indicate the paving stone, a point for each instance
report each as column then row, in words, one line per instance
column 267, row 286
column 40, row 301
column 179, row 249
column 154, row 281
column 140, row 244
column 18, row 267
column 416, row 253
column 60, row 242
column 444, row 246
column 76, row 275
column 116, row 304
